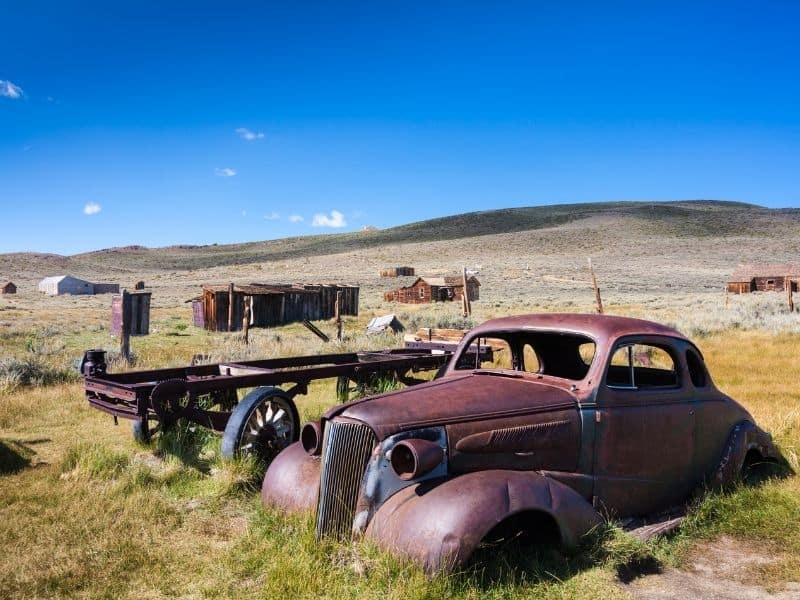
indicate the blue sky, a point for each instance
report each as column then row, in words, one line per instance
column 139, row 113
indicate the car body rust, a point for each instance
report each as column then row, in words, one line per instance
column 581, row 419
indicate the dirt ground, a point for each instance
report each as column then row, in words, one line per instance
column 723, row 569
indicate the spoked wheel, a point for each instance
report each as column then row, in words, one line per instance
column 262, row 424
column 144, row 430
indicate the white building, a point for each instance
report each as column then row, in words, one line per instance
column 65, row 284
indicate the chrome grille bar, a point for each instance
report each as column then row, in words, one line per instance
column 345, row 453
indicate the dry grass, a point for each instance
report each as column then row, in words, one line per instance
column 85, row 512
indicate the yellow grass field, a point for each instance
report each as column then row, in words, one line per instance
column 85, row 512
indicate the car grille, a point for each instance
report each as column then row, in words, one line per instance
column 345, row 453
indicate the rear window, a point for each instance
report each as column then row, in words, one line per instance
column 557, row 354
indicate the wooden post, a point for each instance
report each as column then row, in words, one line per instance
column 788, row 283
column 337, row 307
column 467, row 305
column 597, row 299
column 248, row 301
column 230, row 307
column 125, row 331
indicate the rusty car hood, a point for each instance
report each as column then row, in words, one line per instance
column 458, row 398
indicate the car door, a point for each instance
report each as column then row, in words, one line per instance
column 644, row 441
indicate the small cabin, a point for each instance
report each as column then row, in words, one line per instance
column 7, row 287
column 763, row 278
column 425, row 290
column 398, row 272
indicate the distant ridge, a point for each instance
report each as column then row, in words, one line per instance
column 685, row 218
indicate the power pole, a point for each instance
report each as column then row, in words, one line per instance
column 597, row 299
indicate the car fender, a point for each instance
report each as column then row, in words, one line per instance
column 745, row 436
column 440, row 524
column 291, row 482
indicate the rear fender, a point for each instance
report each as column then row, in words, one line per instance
column 291, row 482
column 439, row 525
column 745, row 436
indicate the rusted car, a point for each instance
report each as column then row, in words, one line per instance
column 577, row 418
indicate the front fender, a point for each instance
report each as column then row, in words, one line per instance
column 440, row 525
column 291, row 482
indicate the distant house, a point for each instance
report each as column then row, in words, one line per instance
column 65, row 284
column 7, row 287
column 398, row 272
column 763, row 278
column 424, row 290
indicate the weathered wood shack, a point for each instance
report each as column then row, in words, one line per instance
column 398, row 272
column 273, row 305
column 435, row 289
column 132, row 309
column 763, row 278
column 7, row 287
column 106, row 288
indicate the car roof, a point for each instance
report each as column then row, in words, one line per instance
column 599, row 327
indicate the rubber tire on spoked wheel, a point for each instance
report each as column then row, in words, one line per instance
column 263, row 424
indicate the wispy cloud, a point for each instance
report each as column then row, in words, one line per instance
column 248, row 135
column 273, row 216
column 244, row 213
column 226, row 172
column 10, row 90
column 92, row 208
column 295, row 219
column 335, row 220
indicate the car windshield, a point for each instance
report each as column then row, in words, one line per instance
column 554, row 353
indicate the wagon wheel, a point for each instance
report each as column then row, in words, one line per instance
column 170, row 400
column 262, row 424
column 144, row 430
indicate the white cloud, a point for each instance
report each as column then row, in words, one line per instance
column 226, row 172
column 273, row 216
column 336, row 220
column 248, row 135
column 92, row 208
column 295, row 219
column 9, row 90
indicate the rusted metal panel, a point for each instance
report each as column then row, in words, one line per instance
column 568, row 440
column 440, row 525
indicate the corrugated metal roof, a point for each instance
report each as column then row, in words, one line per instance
column 746, row 272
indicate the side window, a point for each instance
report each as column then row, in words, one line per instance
column 530, row 361
column 697, row 372
column 501, row 356
column 637, row 366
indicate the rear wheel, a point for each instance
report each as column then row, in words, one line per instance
column 261, row 425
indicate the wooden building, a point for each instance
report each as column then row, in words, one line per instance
column 7, row 287
column 273, row 305
column 763, row 278
column 131, row 309
column 398, row 272
column 435, row 289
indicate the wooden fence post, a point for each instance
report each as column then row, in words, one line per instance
column 337, row 313
column 230, row 307
column 248, row 301
column 788, row 283
column 467, row 305
column 125, row 330
column 597, row 299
